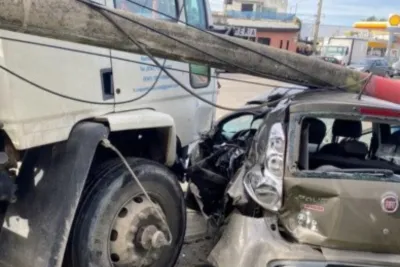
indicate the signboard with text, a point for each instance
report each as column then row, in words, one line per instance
column 245, row 32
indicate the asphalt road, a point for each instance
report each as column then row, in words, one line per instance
column 232, row 94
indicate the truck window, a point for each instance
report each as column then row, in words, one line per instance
column 155, row 8
column 196, row 13
column 196, row 16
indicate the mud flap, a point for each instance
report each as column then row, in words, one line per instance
column 36, row 228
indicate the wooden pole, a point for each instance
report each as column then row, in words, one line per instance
column 74, row 21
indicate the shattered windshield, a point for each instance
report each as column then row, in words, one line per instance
column 241, row 123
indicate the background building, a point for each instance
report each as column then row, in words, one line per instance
column 279, row 6
column 262, row 21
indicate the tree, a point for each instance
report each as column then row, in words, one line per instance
column 298, row 22
column 373, row 18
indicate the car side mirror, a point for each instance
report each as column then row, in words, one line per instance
column 347, row 51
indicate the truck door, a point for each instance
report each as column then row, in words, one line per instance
column 134, row 74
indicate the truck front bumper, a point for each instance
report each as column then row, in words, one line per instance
column 257, row 242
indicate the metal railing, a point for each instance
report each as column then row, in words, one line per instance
column 267, row 15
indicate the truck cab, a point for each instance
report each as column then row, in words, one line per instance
column 92, row 145
column 346, row 50
column 108, row 78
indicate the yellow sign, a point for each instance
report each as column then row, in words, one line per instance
column 373, row 25
column 394, row 20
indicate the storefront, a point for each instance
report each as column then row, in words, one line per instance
column 283, row 38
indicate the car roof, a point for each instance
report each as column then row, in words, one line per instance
column 375, row 58
column 331, row 97
column 276, row 91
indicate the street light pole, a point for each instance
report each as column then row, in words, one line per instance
column 316, row 26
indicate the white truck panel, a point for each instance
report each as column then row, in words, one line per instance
column 166, row 95
column 357, row 48
column 144, row 119
column 32, row 117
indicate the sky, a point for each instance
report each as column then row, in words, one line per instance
column 344, row 12
column 337, row 12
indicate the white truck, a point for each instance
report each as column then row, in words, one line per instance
column 66, row 199
column 346, row 50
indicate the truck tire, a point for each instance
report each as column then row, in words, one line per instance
column 115, row 224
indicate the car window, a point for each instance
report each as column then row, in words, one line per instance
column 377, row 63
column 365, row 137
column 150, row 8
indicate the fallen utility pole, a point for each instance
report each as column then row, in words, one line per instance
column 74, row 21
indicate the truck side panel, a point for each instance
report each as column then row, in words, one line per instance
column 36, row 228
column 191, row 115
column 359, row 51
column 33, row 117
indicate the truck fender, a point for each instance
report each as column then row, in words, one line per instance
column 145, row 119
column 50, row 182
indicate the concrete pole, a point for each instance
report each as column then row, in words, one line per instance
column 389, row 44
column 316, row 26
column 71, row 20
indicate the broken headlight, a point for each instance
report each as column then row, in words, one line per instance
column 263, row 182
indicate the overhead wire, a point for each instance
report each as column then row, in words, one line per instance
column 92, row 4
column 226, row 40
column 162, row 68
column 155, row 61
column 148, row 64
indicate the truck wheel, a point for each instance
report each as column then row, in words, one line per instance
column 116, row 226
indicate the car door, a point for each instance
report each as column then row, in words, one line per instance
column 380, row 68
column 375, row 67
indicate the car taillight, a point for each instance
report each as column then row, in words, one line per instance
column 264, row 182
column 380, row 112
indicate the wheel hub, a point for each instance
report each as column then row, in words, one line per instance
column 138, row 234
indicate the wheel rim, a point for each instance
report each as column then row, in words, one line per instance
column 138, row 234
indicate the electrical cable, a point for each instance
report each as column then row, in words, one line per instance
column 226, row 40
column 95, row 5
column 144, row 50
column 171, row 76
column 93, row 102
column 147, row 53
column 149, row 64
column 107, row 144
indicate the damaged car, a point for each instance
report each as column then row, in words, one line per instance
column 310, row 181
